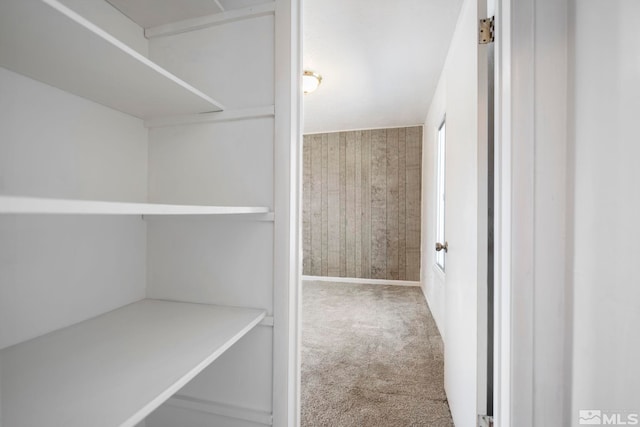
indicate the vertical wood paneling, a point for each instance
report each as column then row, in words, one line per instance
column 306, row 205
column 334, row 205
column 350, row 184
column 361, row 204
column 402, row 204
column 343, row 205
column 379, row 204
column 325, row 206
column 365, row 157
column 414, row 159
column 358, row 196
column 392, row 205
column 316, row 205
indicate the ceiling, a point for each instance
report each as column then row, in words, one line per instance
column 380, row 60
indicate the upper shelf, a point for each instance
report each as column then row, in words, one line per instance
column 151, row 13
column 47, row 41
column 115, row 369
column 33, row 205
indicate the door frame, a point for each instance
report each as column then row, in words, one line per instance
column 533, row 310
column 516, row 234
column 514, row 214
column 287, row 271
column 503, row 188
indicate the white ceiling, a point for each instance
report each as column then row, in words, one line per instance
column 380, row 60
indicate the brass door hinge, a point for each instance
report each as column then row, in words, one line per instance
column 487, row 31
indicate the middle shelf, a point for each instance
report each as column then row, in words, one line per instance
column 34, row 205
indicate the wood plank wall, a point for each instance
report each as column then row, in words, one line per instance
column 361, row 211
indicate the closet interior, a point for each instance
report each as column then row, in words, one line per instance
column 145, row 212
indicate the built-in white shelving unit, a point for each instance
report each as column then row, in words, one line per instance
column 113, row 370
column 33, row 205
column 69, row 52
column 102, row 292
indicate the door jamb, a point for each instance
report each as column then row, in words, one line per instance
column 514, row 211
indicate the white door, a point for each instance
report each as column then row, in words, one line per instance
column 455, row 277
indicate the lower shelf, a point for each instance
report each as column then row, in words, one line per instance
column 115, row 369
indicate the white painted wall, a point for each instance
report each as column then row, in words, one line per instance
column 236, row 64
column 187, row 160
column 606, row 230
column 58, row 270
column 213, row 260
column 59, row 145
column 453, row 299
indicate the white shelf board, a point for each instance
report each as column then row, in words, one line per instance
column 46, row 41
column 151, row 13
column 115, row 369
column 32, row 205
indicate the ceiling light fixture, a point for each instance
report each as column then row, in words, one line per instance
column 310, row 81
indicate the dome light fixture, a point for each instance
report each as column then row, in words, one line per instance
column 310, row 81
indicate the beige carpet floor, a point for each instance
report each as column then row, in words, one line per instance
column 371, row 356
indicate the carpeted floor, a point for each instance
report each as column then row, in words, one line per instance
column 371, row 356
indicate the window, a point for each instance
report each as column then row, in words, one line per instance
column 440, row 192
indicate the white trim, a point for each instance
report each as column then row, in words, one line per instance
column 360, row 281
column 210, row 20
column 213, row 117
column 363, row 129
column 287, row 206
column 502, row 216
column 517, row 210
column 221, row 409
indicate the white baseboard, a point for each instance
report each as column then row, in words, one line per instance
column 221, row 409
column 361, row 281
